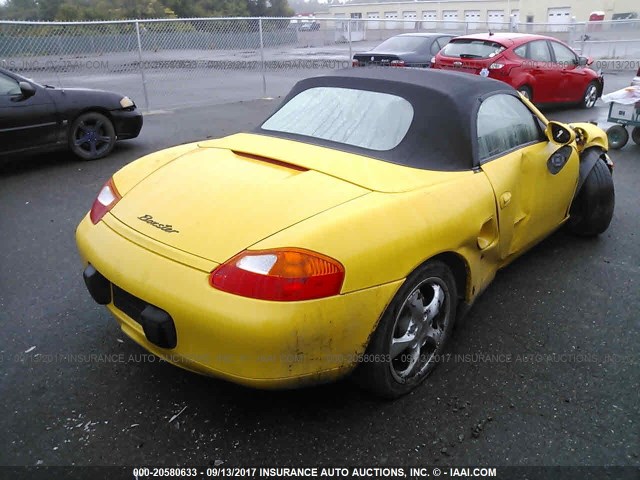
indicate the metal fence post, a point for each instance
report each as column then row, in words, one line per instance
column 349, row 38
column 144, row 79
column 262, row 65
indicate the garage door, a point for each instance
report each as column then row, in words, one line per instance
column 472, row 19
column 409, row 20
column 390, row 20
column 429, row 19
column 495, row 20
column 559, row 19
column 373, row 23
column 450, row 18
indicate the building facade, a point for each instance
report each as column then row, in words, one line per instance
column 483, row 14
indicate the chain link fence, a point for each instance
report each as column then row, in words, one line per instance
column 183, row 62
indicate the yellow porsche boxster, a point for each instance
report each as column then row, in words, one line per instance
column 343, row 235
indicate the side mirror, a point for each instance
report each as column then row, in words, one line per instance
column 27, row 90
column 584, row 61
column 559, row 133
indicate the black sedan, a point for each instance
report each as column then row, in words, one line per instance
column 35, row 117
column 405, row 50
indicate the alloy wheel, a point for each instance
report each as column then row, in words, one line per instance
column 419, row 329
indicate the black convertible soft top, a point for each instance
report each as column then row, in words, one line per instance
column 442, row 135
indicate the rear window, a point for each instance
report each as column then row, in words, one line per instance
column 361, row 118
column 401, row 44
column 470, row 48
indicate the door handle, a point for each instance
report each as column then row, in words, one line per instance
column 505, row 199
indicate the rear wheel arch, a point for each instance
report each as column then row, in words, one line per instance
column 412, row 332
column 458, row 266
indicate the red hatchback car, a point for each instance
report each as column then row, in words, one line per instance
column 543, row 69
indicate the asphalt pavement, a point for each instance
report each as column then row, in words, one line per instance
column 544, row 371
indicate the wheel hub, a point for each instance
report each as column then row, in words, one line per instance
column 419, row 329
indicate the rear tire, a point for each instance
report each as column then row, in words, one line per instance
column 412, row 333
column 617, row 136
column 592, row 210
column 635, row 135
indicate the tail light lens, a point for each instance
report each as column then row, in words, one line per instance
column 282, row 275
column 355, row 63
column 397, row 63
column 106, row 199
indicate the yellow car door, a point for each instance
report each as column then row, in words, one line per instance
column 533, row 179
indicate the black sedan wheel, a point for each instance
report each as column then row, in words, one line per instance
column 412, row 333
column 635, row 135
column 92, row 136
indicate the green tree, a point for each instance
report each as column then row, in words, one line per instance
column 21, row 10
column 280, row 8
column 72, row 10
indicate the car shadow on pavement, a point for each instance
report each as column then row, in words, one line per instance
column 24, row 163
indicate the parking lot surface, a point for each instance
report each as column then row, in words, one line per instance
column 544, row 370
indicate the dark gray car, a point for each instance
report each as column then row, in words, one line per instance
column 404, row 50
column 39, row 117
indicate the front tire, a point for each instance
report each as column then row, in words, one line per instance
column 592, row 210
column 412, row 333
column 92, row 136
column 635, row 135
column 590, row 96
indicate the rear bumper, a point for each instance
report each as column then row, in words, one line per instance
column 251, row 342
column 127, row 123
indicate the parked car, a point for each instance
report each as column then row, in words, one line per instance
column 309, row 26
column 541, row 68
column 319, row 245
column 88, row 122
column 405, row 50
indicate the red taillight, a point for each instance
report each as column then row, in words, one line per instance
column 106, row 199
column 282, row 275
column 397, row 63
column 355, row 63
